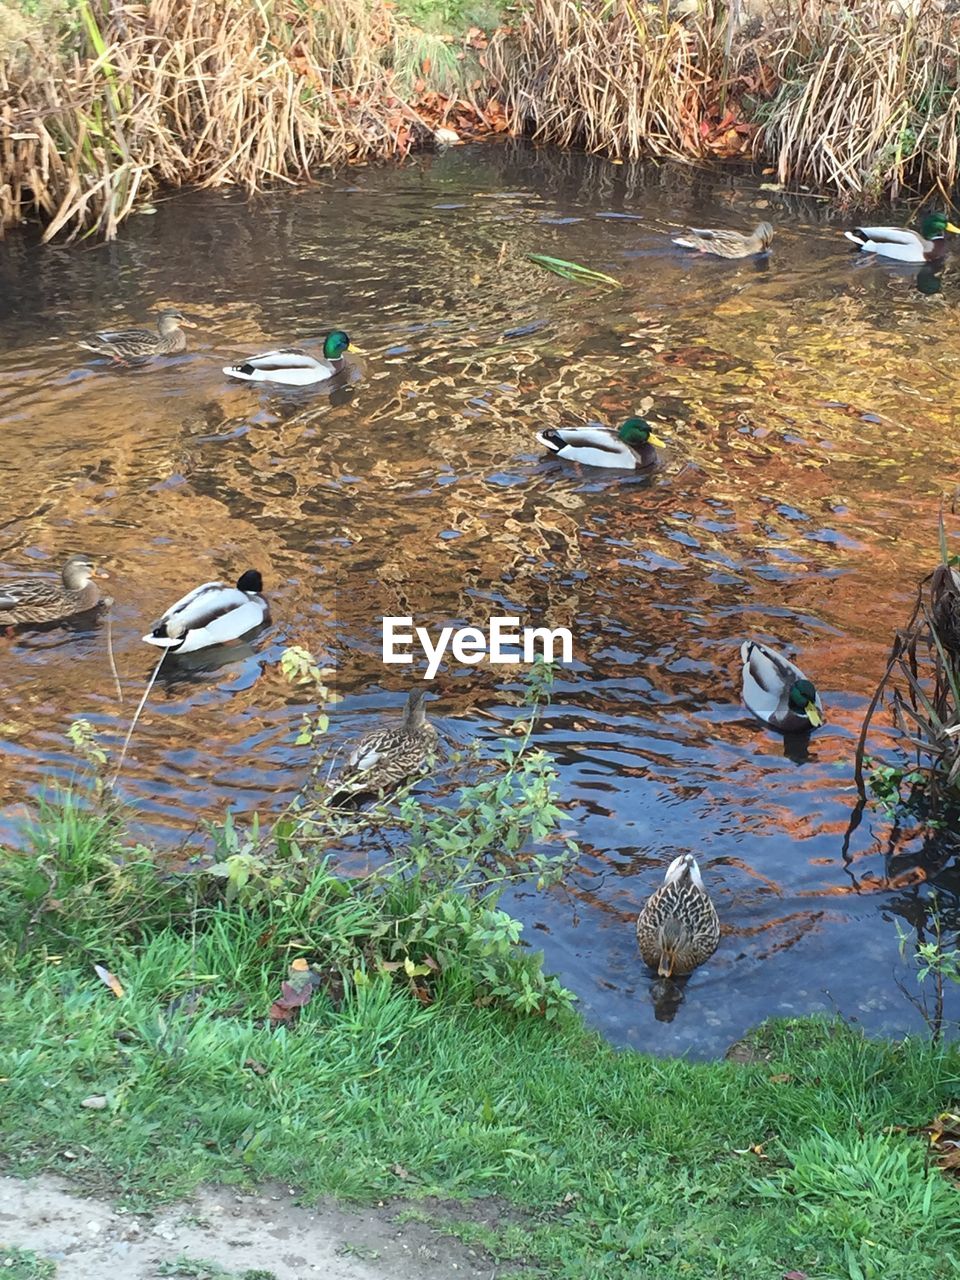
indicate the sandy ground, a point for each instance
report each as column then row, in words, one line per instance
column 93, row 1239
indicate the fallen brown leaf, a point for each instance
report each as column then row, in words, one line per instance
column 109, row 980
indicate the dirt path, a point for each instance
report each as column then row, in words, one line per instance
column 267, row 1236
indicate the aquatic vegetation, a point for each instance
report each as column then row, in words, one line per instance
column 105, row 103
column 921, row 687
column 572, row 270
column 176, row 92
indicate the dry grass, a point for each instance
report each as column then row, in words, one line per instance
column 198, row 91
column 622, row 79
column 855, row 97
column 868, row 100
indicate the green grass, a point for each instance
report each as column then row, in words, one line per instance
column 23, row 1264
column 616, row 1160
column 616, row 1164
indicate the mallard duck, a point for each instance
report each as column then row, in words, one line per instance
column 778, row 692
column 926, row 245
column 212, row 614
column 728, row 244
column 678, row 929
column 32, row 600
column 127, row 346
column 293, row 367
column 628, row 449
column 385, row 758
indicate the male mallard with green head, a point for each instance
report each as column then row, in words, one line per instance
column 728, row 244
column 293, row 367
column 629, row 449
column 32, row 600
column 777, row 691
column 929, row 244
column 678, row 928
column 129, row 346
column 384, row 759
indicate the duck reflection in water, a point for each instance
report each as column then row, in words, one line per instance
column 666, row 995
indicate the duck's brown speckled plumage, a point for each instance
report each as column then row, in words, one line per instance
column 386, row 758
column 129, row 346
column 678, row 928
column 728, row 244
column 35, row 600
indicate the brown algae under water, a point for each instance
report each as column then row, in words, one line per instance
column 807, row 408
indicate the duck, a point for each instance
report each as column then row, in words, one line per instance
column 777, row 691
column 33, row 600
column 728, row 244
column 929, row 244
column 127, row 346
column 212, row 614
column 293, row 367
column 383, row 760
column 678, row 928
column 628, row 449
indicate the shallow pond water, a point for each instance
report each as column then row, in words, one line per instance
column 808, row 413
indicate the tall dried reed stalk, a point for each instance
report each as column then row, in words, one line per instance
column 868, row 98
column 619, row 78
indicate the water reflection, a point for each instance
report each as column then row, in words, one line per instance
column 809, row 420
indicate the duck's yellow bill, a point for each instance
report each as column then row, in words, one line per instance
column 357, row 351
column 812, row 712
column 955, row 230
column 188, row 324
column 661, row 444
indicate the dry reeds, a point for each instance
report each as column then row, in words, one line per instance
column 199, row 91
column 858, row 97
column 618, row 78
column 868, row 98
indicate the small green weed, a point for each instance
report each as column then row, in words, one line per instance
column 24, row 1264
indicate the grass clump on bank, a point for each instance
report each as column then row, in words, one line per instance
column 265, row 1016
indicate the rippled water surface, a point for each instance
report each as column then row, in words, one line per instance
column 809, row 414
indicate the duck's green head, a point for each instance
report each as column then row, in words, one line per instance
column 336, row 345
column 803, row 700
column 936, row 225
column 637, row 432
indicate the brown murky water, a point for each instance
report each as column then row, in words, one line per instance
column 809, row 415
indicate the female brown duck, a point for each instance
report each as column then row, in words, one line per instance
column 678, row 929
column 130, row 346
column 33, row 600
